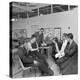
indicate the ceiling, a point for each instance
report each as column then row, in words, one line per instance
column 25, row 9
column 28, row 7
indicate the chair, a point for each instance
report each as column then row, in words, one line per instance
column 25, row 68
column 70, row 66
column 22, row 66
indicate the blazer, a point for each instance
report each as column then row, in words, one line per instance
column 40, row 38
column 70, row 50
column 22, row 53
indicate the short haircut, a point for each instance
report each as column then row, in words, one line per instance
column 41, row 28
column 70, row 35
column 55, row 38
column 65, row 34
column 33, row 36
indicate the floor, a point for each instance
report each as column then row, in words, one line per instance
column 18, row 73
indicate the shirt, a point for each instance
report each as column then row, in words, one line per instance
column 31, row 47
column 61, row 52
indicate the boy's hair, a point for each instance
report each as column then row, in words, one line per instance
column 70, row 35
column 55, row 38
column 65, row 34
column 41, row 28
column 33, row 36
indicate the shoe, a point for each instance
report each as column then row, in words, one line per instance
column 50, row 72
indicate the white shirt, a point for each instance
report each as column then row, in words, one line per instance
column 28, row 46
column 61, row 52
column 64, row 45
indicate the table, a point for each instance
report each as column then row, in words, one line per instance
column 49, row 50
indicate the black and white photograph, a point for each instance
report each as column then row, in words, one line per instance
column 43, row 39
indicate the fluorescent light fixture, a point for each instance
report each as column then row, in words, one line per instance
column 13, row 19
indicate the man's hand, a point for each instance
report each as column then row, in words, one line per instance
column 44, row 44
column 54, row 41
column 57, row 55
column 38, row 49
column 35, row 62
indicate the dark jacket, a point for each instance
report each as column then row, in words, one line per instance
column 54, row 48
column 22, row 53
column 70, row 60
column 69, row 52
column 72, row 49
column 40, row 38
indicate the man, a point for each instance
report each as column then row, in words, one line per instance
column 33, row 57
column 40, row 36
column 61, row 53
column 54, row 50
column 70, row 49
column 59, row 48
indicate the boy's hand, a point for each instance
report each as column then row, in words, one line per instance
column 35, row 62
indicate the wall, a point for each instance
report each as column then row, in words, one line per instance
column 68, row 21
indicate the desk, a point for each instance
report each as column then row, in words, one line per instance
column 49, row 50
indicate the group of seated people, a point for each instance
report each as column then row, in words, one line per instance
column 64, row 49
column 30, row 54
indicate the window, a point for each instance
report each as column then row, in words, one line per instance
column 45, row 10
column 72, row 7
column 59, row 8
column 33, row 13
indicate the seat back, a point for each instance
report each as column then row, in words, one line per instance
column 21, row 64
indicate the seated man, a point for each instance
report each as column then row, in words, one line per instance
column 32, row 57
column 61, row 53
column 70, row 49
column 55, row 45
